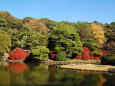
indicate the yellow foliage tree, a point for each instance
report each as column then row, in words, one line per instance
column 98, row 32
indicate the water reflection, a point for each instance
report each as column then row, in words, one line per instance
column 17, row 67
column 21, row 74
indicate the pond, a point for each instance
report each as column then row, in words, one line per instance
column 31, row 74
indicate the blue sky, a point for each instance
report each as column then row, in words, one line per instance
column 62, row 10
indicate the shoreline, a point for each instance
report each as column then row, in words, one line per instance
column 89, row 67
column 72, row 62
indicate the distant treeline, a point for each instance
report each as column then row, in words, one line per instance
column 66, row 39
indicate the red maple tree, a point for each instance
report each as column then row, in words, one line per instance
column 18, row 54
column 86, row 54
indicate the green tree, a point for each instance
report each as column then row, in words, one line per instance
column 84, row 30
column 108, row 59
column 3, row 22
column 27, row 19
column 41, row 53
column 14, row 22
column 96, row 53
column 28, row 40
column 61, row 56
column 26, row 29
column 49, row 23
column 64, row 38
column 91, row 44
column 5, row 42
column 112, row 23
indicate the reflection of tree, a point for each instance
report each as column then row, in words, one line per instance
column 94, row 79
column 38, row 76
column 42, row 75
column 52, row 68
column 17, row 79
column 4, row 78
column 65, row 78
column 110, row 79
column 17, row 73
column 17, row 67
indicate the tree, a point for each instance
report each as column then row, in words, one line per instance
column 61, row 56
column 64, row 38
column 98, row 32
column 5, row 14
column 49, row 23
column 60, row 32
column 14, row 22
column 91, row 44
column 5, row 41
column 3, row 22
column 108, row 59
column 18, row 54
column 96, row 53
column 84, row 30
column 11, row 21
column 26, row 29
column 110, row 36
column 41, row 53
column 112, row 23
column 28, row 40
column 37, row 26
column 27, row 19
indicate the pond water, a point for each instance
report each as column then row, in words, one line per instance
column 31, row 74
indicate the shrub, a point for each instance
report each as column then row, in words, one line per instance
column 52, row 55
column 18, row 54
column 61, row 56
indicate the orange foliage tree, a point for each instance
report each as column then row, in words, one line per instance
column 18, row 54
column 37, row 25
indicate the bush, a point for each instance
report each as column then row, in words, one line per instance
column 18, row 54
column 61, row 56
column 96, row 53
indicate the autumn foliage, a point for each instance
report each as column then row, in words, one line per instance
column 98, row 32
column 18, row 54
column 86, row 54
column 37, row 25
column 52, row 55
column 104, row 52
column 17, row 67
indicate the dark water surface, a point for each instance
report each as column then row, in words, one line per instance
column 22, row 74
